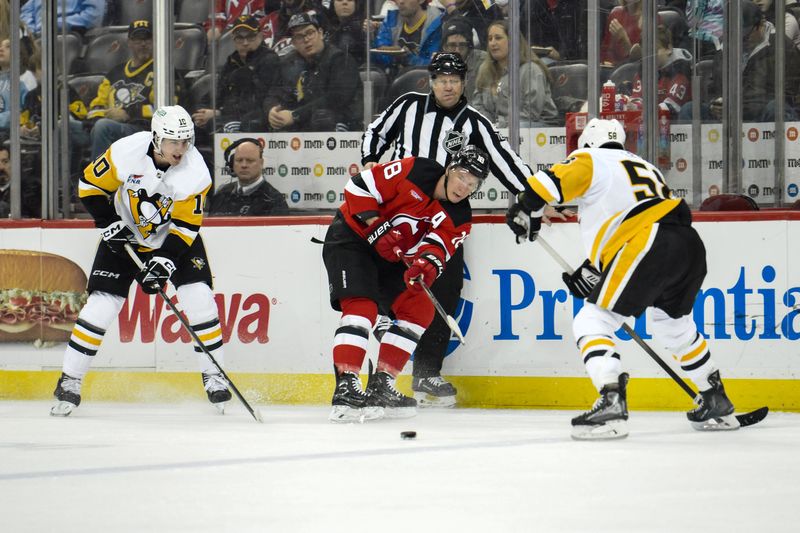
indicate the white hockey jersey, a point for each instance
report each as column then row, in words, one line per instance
column 152, row 202
column 618, row 194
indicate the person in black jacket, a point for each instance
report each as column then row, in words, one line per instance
column 320, row 85
column 245, row 80
column 346, row 18
column 250, row 194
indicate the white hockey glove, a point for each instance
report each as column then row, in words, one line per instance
column 116, row 235
column 156, row 274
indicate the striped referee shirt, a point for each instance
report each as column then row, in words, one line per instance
column 419, row 127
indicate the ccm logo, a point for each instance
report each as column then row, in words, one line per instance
column 105, row 274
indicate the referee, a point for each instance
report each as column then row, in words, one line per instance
column 437, row 125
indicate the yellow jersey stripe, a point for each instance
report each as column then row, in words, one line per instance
column 615, row 280
column 628, row 228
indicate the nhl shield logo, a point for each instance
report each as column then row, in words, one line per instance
column 453, row 141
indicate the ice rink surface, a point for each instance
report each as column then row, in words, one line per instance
column 182, row 467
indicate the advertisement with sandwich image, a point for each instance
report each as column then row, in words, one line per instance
column 40, row 296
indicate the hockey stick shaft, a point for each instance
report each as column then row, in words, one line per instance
column 629, row 330
column 746, row 419
column 450, row 321
column 256, row 415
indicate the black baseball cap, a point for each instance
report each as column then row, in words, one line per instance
column 247, row 23
column 457, row 27
column 140, row 28
column 301, row 19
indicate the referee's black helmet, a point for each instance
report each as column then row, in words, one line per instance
column 447, row 63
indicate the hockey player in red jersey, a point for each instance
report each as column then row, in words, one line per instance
column 409, row 211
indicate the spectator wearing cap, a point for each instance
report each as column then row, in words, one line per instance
column 476, row 13
column 249, row 194
column 277, row 25
column 228, row 12
column 320, row 87
column 458, row 38
column 125, row 97
column 81, row 15
column 409, row 35
column 346, row 18
column 758, row 72
column 246, row 78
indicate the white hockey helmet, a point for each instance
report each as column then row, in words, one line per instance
column 171, row 122
column 599, row 132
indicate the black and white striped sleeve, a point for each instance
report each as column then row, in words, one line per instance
column 384, row 130
column 505, row 163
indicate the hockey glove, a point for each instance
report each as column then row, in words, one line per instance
column 156, row 274
column 523, row 218
column 581, row 282
column 426, row 267
column 116, row 235
column 386, row 239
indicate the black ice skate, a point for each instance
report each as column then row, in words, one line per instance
column 714, row 411
column 433, row 391
column 382, row 394
column 349, row 400
column 216, row 387
column 68, row 394
column 608, row 418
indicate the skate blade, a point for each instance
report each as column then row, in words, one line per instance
column 62, row 409
column 614, row 429
column 722, row 423
column 425, row 400
column 343, row 414
column 400, row 412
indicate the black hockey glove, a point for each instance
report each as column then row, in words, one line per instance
column 116, row 235
column 156, row 274
column 581, row 282
column 524, row 219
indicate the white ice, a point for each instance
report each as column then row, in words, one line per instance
column 114, row 467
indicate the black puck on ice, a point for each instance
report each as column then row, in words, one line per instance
column 408, row 435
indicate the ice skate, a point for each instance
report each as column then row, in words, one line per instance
column 349, row 401
column 216, row 388
column 382, row 394
column 68, row 394
column 715, row 410
column 608, row 418
column 433, row 391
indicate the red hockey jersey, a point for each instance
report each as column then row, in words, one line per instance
column 401, row 192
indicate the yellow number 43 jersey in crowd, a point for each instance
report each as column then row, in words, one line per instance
column 154, row 203
column 618, row 194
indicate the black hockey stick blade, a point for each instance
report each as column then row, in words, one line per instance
column 753, row 417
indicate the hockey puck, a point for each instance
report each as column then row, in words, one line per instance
column 408, row 435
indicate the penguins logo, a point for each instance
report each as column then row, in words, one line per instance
column 198, row 263
column 149, row 211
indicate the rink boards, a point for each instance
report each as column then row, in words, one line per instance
column 271, row 290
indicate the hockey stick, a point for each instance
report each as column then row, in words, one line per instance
column 450, row 321
column 746, row 419
column 254, row 412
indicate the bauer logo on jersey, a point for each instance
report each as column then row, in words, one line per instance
column 453, row 141
column 149, row 211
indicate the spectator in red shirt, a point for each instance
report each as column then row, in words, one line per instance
column 623, row 34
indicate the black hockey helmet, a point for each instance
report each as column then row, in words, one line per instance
column 447, row 63
column 473, row 159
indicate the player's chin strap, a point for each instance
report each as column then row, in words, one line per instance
column 744, row 419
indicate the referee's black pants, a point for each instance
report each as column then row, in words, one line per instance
column 432, row 347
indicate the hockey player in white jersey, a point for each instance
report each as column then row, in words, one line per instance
column 642, row 252
column 146, row 190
